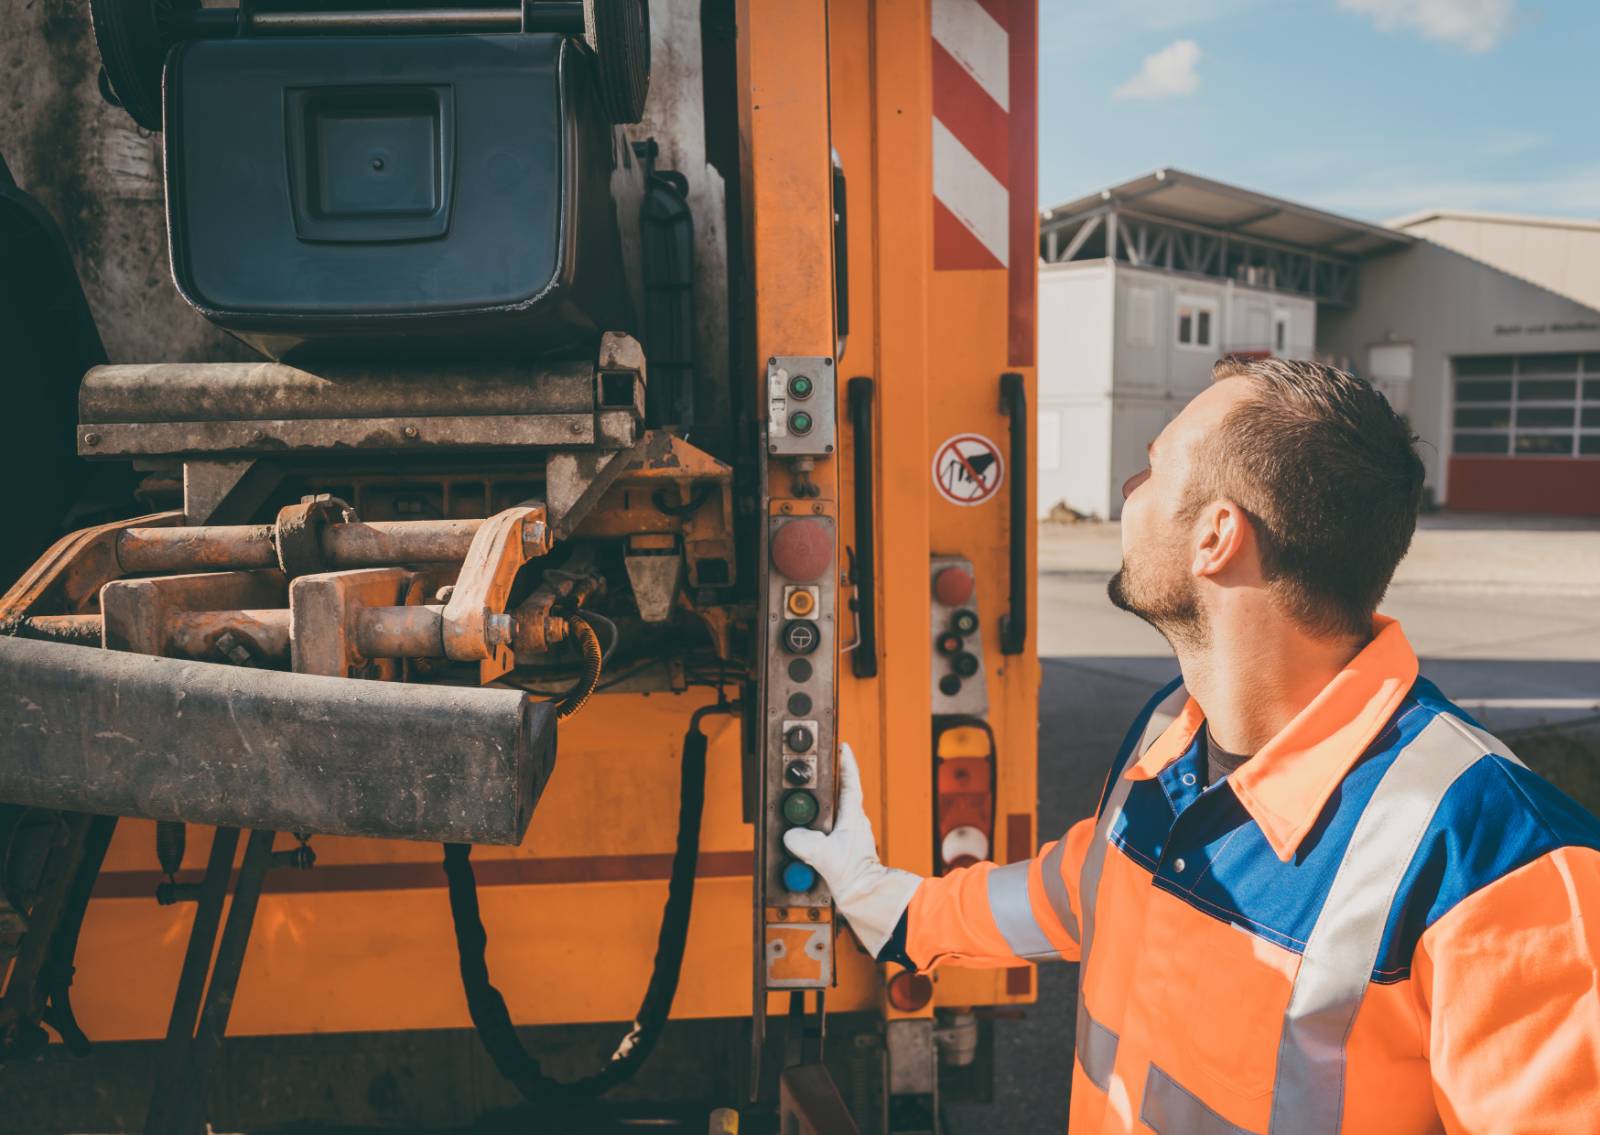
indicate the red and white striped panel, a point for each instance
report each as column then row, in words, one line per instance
column 985, row 159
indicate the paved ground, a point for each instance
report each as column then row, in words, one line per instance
column 1505, row 612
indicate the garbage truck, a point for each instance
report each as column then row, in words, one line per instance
column 480, row 461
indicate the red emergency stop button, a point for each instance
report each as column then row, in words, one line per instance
column 802, row 550
column 953, row 586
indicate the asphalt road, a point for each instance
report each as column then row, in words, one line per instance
column 1504, row 612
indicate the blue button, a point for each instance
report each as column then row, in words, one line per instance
column 799, row 877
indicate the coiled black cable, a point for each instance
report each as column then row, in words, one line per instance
column 488, row 1008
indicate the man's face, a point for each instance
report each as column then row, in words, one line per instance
column 1155, row 581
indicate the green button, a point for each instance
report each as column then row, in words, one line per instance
column 801, row 386
column 799, row 807
column 800, row 423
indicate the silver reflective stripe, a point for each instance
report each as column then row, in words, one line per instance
column 1008, row 902
column 1097, row 1050
column 1308, row 1096
column 1095, row 1041
column 1055, row 888
column 1490, row 743
column 1171, row 1109
column 1094, row 860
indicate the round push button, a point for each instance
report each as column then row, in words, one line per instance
column 799, row 877
column 802, row 550
column 800, row 422
column 953, row 586
column 949, row 685
column 950, row 643
column 964, row 622
column 801, row 386
column 799, row 807
column 800, row 636
column 965, row 664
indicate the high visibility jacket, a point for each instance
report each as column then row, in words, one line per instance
column 1381, row 923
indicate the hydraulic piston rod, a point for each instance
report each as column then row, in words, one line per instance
column 245, row 546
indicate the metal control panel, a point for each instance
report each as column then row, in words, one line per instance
column 799, row 740
column 959, row 682
column 801, row 400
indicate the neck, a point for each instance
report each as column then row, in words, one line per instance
column 1252, row 676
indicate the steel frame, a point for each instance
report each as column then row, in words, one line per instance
column 1142, row 240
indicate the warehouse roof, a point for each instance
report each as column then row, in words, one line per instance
column 1177, row 195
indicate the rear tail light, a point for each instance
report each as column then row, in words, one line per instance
column 964, row 792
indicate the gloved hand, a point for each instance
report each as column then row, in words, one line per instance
column 871, row 897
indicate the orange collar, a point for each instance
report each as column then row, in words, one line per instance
column 1285, row 786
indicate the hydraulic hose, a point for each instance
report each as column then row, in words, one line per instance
column 589, row 646
column 488, row 1008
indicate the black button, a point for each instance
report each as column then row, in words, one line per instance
column 964, row 621
column 800, row 670
column 799, row 704
column 949, row 685
column 950, row 643
column 800, row 636
column 965, row 664
column 799, row 738
column 798, row 772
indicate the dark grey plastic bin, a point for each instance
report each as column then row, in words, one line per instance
column 383, row 196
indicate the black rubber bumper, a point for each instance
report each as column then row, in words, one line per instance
column 106, row 732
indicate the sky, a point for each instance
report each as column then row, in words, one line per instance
column 1370, row 108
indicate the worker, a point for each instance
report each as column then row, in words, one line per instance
column 1317, row 896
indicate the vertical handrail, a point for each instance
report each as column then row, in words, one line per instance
column 864, row 571
column 1014, row 624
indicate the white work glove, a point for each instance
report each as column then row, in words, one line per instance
column 871, row 897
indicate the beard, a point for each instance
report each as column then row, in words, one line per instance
column 1170, row 605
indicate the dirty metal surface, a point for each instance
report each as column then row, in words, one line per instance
column 323, row 610
column 121, row 734
column 230, row 392
column 365, row 434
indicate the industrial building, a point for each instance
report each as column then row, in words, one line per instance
column 1484, row 330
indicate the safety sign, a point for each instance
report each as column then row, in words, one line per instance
column 968, row 469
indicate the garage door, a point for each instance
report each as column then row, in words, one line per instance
column 1526, row 433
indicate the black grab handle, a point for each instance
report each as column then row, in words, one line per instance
column 1014, row 624
column 864, row 658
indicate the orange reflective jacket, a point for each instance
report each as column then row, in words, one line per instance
column 1382, row 923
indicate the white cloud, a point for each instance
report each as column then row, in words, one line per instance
column 1476, row 25
column 1168, row 72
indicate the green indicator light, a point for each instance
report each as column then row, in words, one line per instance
column 799, row 807
column 800, row 423
column 801, row 386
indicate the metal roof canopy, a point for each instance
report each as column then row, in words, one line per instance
column 1188, row 198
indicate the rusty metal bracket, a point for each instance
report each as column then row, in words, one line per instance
column 323, row 617
column 185, row 615
column 475, row 623
column 73, row 570
column 298, row 533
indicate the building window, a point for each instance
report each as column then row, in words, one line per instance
column 1195, row 322
column 1527, row 405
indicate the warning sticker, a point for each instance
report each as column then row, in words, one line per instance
column 968, row 469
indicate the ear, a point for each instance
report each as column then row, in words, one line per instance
column 1224, row 533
